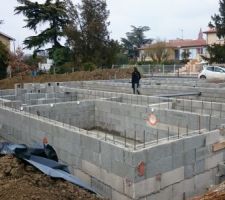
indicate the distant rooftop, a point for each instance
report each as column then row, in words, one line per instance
column 180, row 43
column 7, row 36
column 186, row 43
column 210, row 30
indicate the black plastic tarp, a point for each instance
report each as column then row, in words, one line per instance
column 35, row 156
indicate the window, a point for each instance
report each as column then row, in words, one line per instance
column 200, row 50
column 210, row 68
column 217, row 69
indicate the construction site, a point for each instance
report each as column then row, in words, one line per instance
column 166, row 144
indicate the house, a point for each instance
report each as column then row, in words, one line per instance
column 212, row 38
column 5, row 39
column 194, row 48
column 45, row 66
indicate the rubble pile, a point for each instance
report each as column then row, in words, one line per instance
column 21, row 181
column 215, row 193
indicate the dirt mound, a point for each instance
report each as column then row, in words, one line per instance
column 99, row 74
column 20, row 181
column 215, row 193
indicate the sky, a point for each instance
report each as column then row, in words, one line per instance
column 167, row 19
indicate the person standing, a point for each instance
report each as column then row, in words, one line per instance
column 135, row 79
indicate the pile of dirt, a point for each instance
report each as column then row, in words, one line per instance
column 99, row 74
column 215, row 193
column 21, row 181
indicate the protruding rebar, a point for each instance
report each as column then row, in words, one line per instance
column 157, row 136
column 144, row 138
column 178, row 132
column 125, row 138
column 187, row 129
column 168, row 133
column 135, row 138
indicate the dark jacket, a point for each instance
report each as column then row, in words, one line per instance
column 136, row 76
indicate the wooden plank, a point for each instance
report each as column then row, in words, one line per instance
column 218, row 146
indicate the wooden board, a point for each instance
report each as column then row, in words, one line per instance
column 218, row 146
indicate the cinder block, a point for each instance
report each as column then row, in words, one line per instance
column 212, row 137
column 178, row 160
column 188, row 171
column 117, row 153
column 106, row 156
column 177, row 146
column 123, row 170
column 118, row 196
column 199, row 166
column 178, row 191
column 202, row 182
column 82, row 176
column 189, row 157
column 146, row 187
column 137, row 157
column 90, row 169
column 101, row 188
column 92, row 157
column 159, row 151
column 128, row 157
column 189, row 187
column 172, row 177
column 165, row 194
column 158, row 167
column 114, row 181
column 221, row 169
column 213, row 160
column 194, row 142
column 202, row 153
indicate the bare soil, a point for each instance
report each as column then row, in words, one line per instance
column 21, row 181
column 99, row 74
column 215, row 193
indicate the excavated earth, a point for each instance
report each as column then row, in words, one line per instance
column 215, row 193
column 21, row 181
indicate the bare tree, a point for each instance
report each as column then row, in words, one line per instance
column 159, row 52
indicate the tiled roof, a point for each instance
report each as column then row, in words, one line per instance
column 179, row 43
column 211, row 30
column 7, row 36
column 186, row 43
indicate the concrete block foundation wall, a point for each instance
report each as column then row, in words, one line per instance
column 79, row 114
column 172, row 169
column 125, row 120
column 90, row 135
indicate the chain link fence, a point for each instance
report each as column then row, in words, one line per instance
column 168, row 70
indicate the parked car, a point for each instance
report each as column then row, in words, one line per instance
column 212, row 73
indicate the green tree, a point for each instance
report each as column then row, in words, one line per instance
column 4, row 58
column 49, row 13
column 218, row 20
column 135, row 39
column 185, row 56
column 216, row 54
column 88, row 34
column 217, row 51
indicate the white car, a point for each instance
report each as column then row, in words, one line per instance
column 212, row 73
